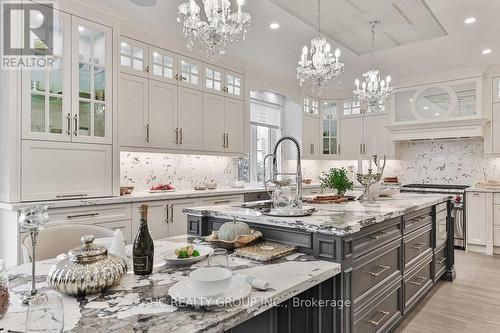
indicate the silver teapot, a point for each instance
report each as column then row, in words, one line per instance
column 88, row 269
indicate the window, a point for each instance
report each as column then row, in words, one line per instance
column 329, row 114
column 213, row 79
column 163, row 65
column 265, row 131
column 189, row 72
column 233, row 85
column 351, row 107
column 311, row 106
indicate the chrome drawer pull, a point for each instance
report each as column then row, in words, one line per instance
column 418, row 246
column 422, row 280
column 377, row 322
column 82, row 215
column 441, row 261
column 379, row 234
column 222, row 202
column 382, row 269
column 72, row 195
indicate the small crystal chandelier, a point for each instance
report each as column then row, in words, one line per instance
column 374, row 92
column 222, row 30
column 323, row 67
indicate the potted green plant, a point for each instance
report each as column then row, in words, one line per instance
column 336, row 178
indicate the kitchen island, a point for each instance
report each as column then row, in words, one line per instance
column 392, row 251
column 141, row 304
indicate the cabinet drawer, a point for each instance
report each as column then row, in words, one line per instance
column 257, row 196
column 124, row 226
column 439, row 263
column 496, row 235
column 221, row 200
column 417, row 245
column 496, row 214
column 417, row 283
column 442, row 207
column 91, row 214
column 311, row 191
column 496, row 197
column 374, row 268
column 372, row 237
column 381, row 314
column 416, row 220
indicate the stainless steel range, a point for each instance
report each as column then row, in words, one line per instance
column 457, row 193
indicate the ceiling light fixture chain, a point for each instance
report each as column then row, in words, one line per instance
column 374, row 93
column 323, row 67
column 221, row 29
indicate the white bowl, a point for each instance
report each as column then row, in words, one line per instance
column 171, row 258
column 210, row 281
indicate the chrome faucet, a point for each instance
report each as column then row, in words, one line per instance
column 297, row 174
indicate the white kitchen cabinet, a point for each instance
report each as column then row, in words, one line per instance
column 496, row 90
column 157, row 219
column 351, row 136
column 233, row 85
column 162, row 118
column 495, row 130
column 177, row 219
column 190, row 75
column 60, row 170
column 213, row 80
column 222, row 200
column 479, row 208
column 310, row 106
column 133, row 115
column 90, row 214
column 329, row 115
column 46, row 104
column 189, row 119
column 376, row 136
column 163, row 65
column 310, row 137
column 134, row 57
column 92, row 78
column 214, row 131
column 234, row 125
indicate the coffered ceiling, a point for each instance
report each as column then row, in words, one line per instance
column 415, row 37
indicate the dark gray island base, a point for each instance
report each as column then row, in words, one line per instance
column 392, row 252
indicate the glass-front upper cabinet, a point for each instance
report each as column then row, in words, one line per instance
column 134, row 57
column 438, row 102
column 213, row 79
column 92, row 82
column 162, row 65
column 310, row 106
column 233, row 85
column 351, row 107
column 330, row 124
column 46, row 93
column 189, row 72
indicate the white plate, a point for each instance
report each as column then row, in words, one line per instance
column 161, row 191
column 183, row 292
column 387, row 192
column 170, row 257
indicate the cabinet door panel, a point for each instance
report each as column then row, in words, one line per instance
column 495, row 133
column 376, row 136
column 133, row 110
column 157, row 219
column 163, row 65
column 162, row 114
column 133, row 57
column 92, row 82
column 351, row 136
column 213, row 122
column 476, row 218
column 213, row 79
column 54, row 170
column 178, row 220
column 189, row 118
column 310, row 137
column 496, row 90
column 234, row 85
column 46, row 101
column 189, row 73
column 234, row 125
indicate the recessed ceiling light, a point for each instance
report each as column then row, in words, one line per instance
column 470, row 20
column 436, row 114
column 486, row 51
column 426, row 108
column 274, row 25
column 81, row 29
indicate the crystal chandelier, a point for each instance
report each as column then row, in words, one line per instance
column 221, row 30
column 323, row 67
column 374, row 92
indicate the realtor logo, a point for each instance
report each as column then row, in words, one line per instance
column 27, row 36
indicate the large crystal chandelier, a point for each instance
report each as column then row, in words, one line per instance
column 221, row 30
column 323, row 67
column 374, row 92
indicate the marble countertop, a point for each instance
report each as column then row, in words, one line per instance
column 484, row 189
column 142, row 303
column 143, row 196
column 334, row 219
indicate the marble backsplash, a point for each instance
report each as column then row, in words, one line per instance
column 144, row 170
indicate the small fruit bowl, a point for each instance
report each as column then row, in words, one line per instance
column 173, row 257
column 162, row 188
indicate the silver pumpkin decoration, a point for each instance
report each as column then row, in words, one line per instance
column 87, row 270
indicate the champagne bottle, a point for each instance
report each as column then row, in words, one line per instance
column 143, row 251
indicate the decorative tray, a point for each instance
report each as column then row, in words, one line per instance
column 265, row 251
column 240, row 241
column 328, row 199
column 305, row 211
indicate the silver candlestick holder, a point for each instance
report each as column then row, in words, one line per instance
column 370, row 178
column 33, row 219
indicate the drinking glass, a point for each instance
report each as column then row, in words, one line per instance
column 45, row 313
column 218, row 258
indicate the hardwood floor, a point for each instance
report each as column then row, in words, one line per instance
column 470, row 304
